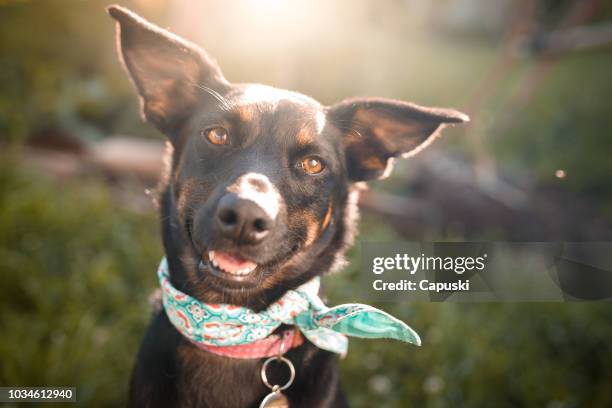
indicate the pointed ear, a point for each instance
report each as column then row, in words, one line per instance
column 376, row 130
column 167, row 71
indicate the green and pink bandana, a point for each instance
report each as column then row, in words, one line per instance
column 222, row 325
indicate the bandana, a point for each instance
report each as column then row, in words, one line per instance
column 222, row 325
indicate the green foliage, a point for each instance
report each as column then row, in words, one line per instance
column 60, row 71
column 489, row 355
column 566, row 126
column 75, row 275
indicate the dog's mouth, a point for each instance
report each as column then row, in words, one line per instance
column 229, row 270
column 232, row 270
column 227, row 266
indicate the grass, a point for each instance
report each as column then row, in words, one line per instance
column 76, row 272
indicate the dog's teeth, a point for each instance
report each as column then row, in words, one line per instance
column 243, row 271
column 228, row 266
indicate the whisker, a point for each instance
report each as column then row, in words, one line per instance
column 224, row 104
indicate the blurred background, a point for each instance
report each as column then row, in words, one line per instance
column 79, row 236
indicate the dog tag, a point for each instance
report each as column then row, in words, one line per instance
column 275, row 399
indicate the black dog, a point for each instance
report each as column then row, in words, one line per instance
column 259, row 197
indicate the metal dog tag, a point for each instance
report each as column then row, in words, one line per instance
column 275, row 399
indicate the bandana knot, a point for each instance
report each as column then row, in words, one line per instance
column 222, row 325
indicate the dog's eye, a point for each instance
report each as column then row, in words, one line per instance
column 312, row 165
column 217, row 136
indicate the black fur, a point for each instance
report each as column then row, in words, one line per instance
column 269, row 132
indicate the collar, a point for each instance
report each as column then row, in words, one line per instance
column 273, row 345
column 215, row 327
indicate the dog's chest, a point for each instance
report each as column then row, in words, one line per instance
column 212, row 381
column 206, row 380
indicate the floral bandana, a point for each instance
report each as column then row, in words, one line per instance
column 229, row 325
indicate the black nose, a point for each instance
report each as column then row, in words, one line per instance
column 242, row 221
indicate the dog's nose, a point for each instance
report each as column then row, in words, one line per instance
column 242, row 221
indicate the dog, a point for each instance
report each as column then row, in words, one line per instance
column 259, row 197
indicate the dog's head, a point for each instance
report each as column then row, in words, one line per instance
column 259, row 193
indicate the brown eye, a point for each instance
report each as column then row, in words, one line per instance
column 217, row 136
column 312, row 165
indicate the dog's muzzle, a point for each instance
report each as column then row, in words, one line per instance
column 247, row 212
column 241, row 220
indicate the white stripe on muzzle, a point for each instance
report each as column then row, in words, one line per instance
column 257, row 188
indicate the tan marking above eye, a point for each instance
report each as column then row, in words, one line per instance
column 304, row 136
column 246, row 113
column 217, row 135
column 312, row 165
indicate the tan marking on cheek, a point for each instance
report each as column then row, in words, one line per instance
column 327, row 217
column 271, row 281
column 308, row 220
column 311, row 222
column 304, row 136
column 185, row 191
column 312, row 228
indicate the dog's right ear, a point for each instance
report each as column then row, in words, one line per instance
column 378, row 130
column 169, row 72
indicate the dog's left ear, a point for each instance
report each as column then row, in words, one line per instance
column 376, row 130
column 167, row 71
